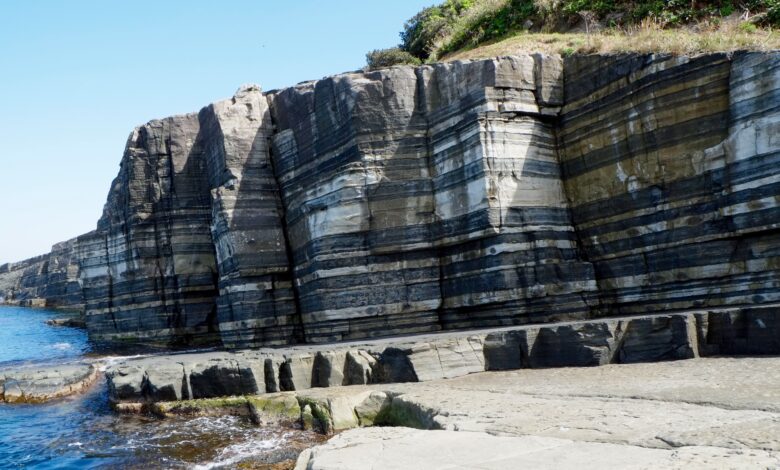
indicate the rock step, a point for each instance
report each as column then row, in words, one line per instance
column 685, row 335
column 39, row 384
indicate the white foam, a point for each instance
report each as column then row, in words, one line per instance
column 235, row 453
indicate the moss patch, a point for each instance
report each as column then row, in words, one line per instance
column 320, row 412
column 203, row 407
column 274, row 408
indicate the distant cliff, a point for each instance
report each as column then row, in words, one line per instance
column 450, row 196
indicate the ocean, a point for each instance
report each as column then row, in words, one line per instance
column 83, row 432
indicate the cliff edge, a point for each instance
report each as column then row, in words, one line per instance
column 460, row 195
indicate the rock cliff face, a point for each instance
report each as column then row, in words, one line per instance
column 428, row 198
column 671, row 169
column 487, row 193
column 51, row 279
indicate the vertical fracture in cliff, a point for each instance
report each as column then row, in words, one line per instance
column 459, row 195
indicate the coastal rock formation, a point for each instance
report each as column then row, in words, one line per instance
column 701, row 413
column 423, row 358
column 669, row 165
column 454, row 196
column 38, row 384
column 661, row 415
column 50, row 280
column 426, row 199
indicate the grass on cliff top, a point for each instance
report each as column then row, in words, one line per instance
column 645, row 38
column 469, row 29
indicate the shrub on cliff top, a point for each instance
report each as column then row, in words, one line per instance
column 421, row 32
column 460, row 24
column 379, row 58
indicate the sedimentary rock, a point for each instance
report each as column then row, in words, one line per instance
column 398, row 448
column 668, row 167
column 701, row 413
column 454, row 196
column 50, row 280
column 72, row 322
column 38, row 384
column 150, row 271
column 437, row 356
column 420, row 199
column 720, row 412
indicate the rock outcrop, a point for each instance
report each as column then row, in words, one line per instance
column 701, row 413
column 50, row 280
column 704, row 413
column 669, row 167
column 489, row 193
column 422, row 358
column 42, row 383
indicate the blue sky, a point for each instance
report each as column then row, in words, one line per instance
column 78, row 75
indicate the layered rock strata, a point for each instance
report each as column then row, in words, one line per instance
column 669, row 165
column 701, row 413
column 42, row 383
column 680, row 417
column 50, row 280
column 429, row 198
column 453, row 196
column 754, row 331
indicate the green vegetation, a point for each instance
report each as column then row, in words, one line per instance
column 316, row 415
column 455, row 26
column 379, row 58
column 261, row 408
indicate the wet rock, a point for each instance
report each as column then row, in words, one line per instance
column 126, row 382
column 165, row 381
column 38, row 384
column 224, row 377
column 70, row 322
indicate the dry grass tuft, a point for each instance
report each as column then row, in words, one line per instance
column 647, row 37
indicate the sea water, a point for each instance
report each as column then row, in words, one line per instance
column 84, row 432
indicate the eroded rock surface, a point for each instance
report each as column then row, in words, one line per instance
column 38, row 384
column 703, row 413
column 445, row 355
column 402, row 448
column 454, row 196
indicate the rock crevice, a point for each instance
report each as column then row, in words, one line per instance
column 454, row 196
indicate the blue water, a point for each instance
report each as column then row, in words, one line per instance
column 24, row 336
column 83, row 432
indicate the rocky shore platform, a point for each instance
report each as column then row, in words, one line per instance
column 702, row 413
column 492, row 398
column 38, row 383
column 503, row 397
column 736, row 331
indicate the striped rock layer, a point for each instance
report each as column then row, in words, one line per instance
column 462, row 195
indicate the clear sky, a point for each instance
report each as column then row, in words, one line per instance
column 78, row 75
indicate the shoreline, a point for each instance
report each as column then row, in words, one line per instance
column 446, row 382
column 166, row 375
column 615, row 416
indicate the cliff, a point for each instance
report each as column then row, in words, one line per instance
column 460, row 195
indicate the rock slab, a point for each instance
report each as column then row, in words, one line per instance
column 425, row 358
column 38, row 384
